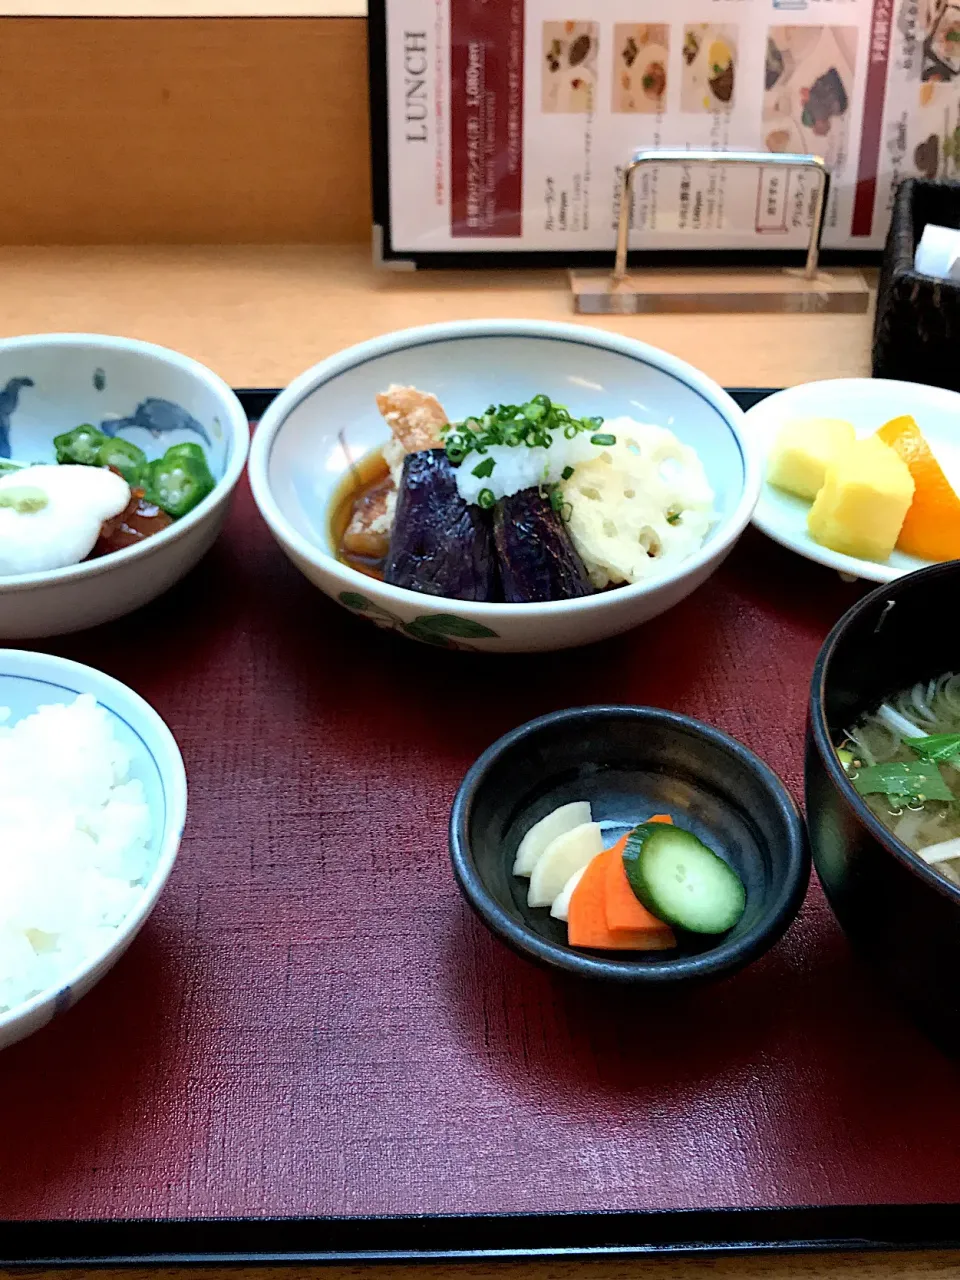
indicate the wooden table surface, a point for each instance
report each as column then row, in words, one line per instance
column 259, row 316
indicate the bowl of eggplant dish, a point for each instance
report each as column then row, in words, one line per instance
column 504, row 485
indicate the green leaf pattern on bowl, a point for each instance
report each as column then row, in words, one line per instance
column 444, row 630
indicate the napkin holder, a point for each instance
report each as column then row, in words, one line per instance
column 916, row 334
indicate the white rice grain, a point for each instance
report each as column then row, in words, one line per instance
column 74, row 843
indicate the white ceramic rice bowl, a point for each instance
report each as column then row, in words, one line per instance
column 328, row 417
column 49, row 384
column 30, row 680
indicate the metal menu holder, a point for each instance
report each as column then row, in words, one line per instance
column 744, row 289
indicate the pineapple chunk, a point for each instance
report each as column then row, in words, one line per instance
column 863, row 502
column 804, row 448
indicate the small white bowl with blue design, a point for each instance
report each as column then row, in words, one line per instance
column 328, row 418
column 31, row 680
column 149, row 395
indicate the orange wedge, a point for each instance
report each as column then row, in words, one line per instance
column 931, row 529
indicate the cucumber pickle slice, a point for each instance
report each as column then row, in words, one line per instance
column 681, row 881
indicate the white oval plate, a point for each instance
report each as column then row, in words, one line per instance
column 868, row 403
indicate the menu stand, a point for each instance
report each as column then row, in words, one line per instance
column 755, row 289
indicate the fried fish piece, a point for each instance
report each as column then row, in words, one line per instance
column 415, row 417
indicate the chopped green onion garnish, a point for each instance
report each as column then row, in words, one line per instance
column 566, row 473
column 486, row 499
column 484, row 468
column 563, row 509
column 533, row 424
column 603, row 438
column 673, row 517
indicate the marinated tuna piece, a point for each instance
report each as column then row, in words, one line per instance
column 139, row 519
column 368, row 533
column 415, row 417
column 538, row 562
column 441, row 546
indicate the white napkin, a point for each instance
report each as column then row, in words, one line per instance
column 938, row 253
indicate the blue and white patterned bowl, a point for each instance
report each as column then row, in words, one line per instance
column 31, row 680
column 49, row 384
column 328, row 416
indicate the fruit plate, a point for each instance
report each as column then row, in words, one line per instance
column 868, row 403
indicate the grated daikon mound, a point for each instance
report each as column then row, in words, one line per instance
column 74, row 843
column 519, row 467
column 640, row 507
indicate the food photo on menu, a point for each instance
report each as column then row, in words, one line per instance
column 709, row 71
column 641, row 59
column 808, row 76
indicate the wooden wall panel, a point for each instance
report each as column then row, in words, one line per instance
column 185, row 8
column 187, row 131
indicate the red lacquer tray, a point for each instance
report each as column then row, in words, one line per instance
column 315, row 1050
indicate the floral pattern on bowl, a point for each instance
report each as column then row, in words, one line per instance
column 155, row 415
column 158, row 417
column 9, row 399
column 444, row 630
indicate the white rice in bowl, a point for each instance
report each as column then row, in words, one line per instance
column 75, row 837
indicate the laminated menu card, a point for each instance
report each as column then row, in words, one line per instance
column 502, row 126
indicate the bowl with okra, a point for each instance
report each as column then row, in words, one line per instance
column 117, row 463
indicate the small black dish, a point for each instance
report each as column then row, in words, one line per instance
column 629, row 762
column 898, row 912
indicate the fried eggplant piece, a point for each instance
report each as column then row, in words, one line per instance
column 538, row 561
column 440, row 545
